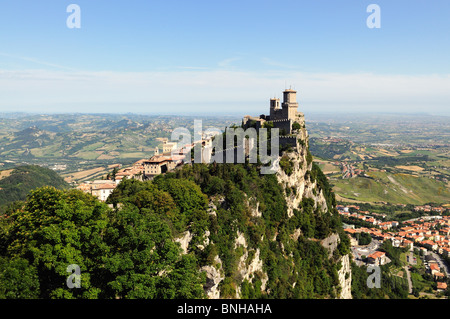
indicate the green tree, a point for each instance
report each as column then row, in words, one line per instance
column 145, row 262
column 18, row 279
column 296, row 126
column 126, row 253
column 286, row 165
column 23, row 179
column 54, row 230
column 215, row 186
column 126, row 189
column 187, row 195
column 364, row 239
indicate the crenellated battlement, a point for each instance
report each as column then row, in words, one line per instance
column 283, row 115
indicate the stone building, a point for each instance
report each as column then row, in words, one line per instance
column 282, row 116
column 98, row 188
column 377, row 258
column 160, row 164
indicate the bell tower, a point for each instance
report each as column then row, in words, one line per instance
column 274, row 107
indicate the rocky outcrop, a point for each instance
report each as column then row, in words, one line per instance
column 330, row 243
column 298, row 185
column 214, row 275
column 184, row 241
column 344, row 273
column 249, row 265
column 247, row 268
column 254, row 209
column 345, row 278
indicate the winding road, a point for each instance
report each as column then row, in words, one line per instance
column 408, row 277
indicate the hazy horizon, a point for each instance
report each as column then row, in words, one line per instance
column 218, row 113
column 206, row 56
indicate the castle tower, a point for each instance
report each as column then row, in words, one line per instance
column 290, row 104
column 274, row 106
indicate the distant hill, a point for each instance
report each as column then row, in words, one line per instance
column 393, row 188
column 17, row 183
column 88, row 141
column 215, row 231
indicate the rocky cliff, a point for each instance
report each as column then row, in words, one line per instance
column 298, row 185
column 277, row 236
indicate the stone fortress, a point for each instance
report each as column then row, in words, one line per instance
column 282, row 117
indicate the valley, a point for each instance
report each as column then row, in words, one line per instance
column 384, row 158
column 86, row 146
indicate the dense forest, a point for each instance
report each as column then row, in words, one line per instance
column 23, row 179
column 127, row 247
column 129, row 251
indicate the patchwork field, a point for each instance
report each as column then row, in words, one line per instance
column 85, row 175
column 5, row 173
column 392, row 158
column 413, row 168
column 84, row 144
column 327, row 167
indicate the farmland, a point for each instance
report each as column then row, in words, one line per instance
column 384, row 158
column 83, row 146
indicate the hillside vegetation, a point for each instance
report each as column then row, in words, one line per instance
column 393, row 188
column 130, row 251
column 16, row 185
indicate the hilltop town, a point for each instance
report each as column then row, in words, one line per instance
column 143, row 169
column 420, row 233
column 220, row 228
column 284, row 117
column 427, row 237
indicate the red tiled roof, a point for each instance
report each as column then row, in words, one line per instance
column 434, row 267
column 441, row 285
column 377, row 254
column 107, row 186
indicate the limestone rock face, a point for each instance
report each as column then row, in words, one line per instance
column 213, row 278
column 298, row 185
column 345, row 278
column 297, row 179
column 345, row 273
column 184, row 241
column 330, row 243
column 248, row 268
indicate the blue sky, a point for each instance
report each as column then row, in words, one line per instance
column 229, row 56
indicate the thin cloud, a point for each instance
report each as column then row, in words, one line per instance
column 36, row 61
column 192, row 67
column 227, row 62
column 239, row 90
column 270, row 62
